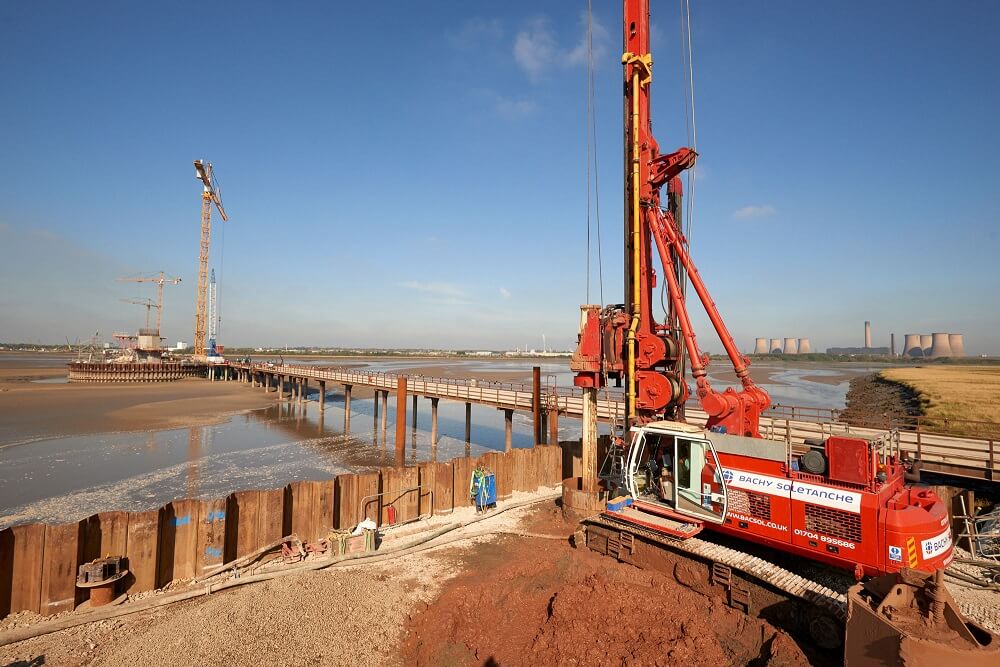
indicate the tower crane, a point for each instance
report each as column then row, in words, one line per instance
column 844, row 501
column 149, row 305
column 210, row 196
column 160, row 280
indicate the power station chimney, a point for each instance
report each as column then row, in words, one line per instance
column 957, row 345
column 804, row 346
column 868, row 334
column 926, row 340
column 892, row 345
column 760, row 346
column 912, row 346
column 940, row 345
column 791, row 346
column 775, row 345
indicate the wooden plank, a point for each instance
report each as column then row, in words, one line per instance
column 271, row 509
column 26, row 567
column 244, row 519
column 61, row 557
column 211, row 534
column 142, row 550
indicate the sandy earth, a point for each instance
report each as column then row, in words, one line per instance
column 505, row 600
column 29, row 410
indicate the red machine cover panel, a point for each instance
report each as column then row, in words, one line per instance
column 848, row 459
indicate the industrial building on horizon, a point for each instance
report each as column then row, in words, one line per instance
column 914, row 345
column 782, row 346
column 934, row 345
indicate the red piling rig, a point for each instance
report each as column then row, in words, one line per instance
column 625, row 341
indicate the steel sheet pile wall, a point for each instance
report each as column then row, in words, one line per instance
column 186, row 538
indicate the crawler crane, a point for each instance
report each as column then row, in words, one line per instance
column 844, row 502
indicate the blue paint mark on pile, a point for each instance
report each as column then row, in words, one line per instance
column 216, row 516
column 212, row 552
column 182, row 520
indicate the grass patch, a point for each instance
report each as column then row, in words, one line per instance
column 955, row 392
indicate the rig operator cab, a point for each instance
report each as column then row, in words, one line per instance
column 668, row 471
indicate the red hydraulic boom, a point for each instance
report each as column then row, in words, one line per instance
column 626, row 342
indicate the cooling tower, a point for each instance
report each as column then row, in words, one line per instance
column 760, row 346
column 926, row 340
column 957, row 345
column 868, row 334
column 804, row 346
column 912, row 346
column 940, row 345
column 791, row 346
column 775, row 345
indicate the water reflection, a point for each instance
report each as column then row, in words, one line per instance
column 75, row 476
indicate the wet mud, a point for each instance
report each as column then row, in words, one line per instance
column 871, row 397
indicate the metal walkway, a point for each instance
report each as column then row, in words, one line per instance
column 964, row 456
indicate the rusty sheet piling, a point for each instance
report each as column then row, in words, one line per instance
column 39, row 563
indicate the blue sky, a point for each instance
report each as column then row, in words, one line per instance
column 413, row 174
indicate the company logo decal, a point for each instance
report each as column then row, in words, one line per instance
column 895, row 553
column 812, row 493
column 935, row 545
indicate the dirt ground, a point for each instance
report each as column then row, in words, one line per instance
column 508, row 600
column 527, row 602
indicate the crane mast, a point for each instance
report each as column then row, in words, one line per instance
column 160, row 281
column 210, row 197
column 626, row 342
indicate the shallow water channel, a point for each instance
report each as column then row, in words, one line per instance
column 64, row 478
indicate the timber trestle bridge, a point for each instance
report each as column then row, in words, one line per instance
column 937, row 446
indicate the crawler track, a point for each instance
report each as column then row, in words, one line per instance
column 761, row 572
column 751, row 566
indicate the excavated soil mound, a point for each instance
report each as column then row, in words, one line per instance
column 541, row 602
